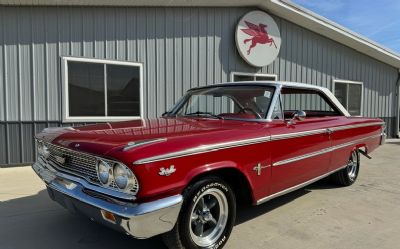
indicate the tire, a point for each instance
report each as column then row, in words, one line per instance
column 349, row 174
column 206, row 218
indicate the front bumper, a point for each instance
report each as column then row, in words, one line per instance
column 141, row 220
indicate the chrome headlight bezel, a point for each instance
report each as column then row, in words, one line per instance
column 104, row 169
column 131, row 186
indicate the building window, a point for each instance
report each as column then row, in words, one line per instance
column 237, row 76
column 101, row 90
column 350, row 95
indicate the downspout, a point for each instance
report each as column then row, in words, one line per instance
column 397, row 127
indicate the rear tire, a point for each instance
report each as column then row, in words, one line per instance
column 207, row 216
column 348, row 175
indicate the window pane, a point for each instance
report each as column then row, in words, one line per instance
column 243, row 78
column 265, row 78
column 341, row 93
column 123, row 90
column 86, row 89
column 354, row 100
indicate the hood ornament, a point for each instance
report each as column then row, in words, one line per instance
column 168, row 171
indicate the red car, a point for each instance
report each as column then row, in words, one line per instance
column 183, row 174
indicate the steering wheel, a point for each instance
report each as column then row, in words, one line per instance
column 247, row 109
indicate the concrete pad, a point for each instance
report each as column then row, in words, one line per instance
column 365, row 215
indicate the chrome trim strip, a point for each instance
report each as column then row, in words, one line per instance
column 298, row 134
column 135, row 144
column 346, row 127
column 299, row 186
column 298, row 158
column 214, row 147
column 323, row 151
column 204, row 149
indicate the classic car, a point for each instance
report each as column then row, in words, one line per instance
column 183, row 175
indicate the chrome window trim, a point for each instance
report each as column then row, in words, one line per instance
column 237, row 143
column 296, row 187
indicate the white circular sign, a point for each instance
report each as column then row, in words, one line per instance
column 258, row 39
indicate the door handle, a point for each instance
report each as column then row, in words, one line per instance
column 329, row 131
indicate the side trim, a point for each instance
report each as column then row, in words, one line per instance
column 298, row 134
column 323, row 151
column 220, row 146
column 346, row 127
column 203, row 149
column 294, row 188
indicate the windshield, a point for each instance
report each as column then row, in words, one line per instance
column 226, row 102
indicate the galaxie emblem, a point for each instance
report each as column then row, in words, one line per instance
column 60, row 159
column 167, row 171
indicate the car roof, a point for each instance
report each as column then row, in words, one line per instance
column 326, row 91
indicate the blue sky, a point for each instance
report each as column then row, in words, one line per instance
column 377, row 20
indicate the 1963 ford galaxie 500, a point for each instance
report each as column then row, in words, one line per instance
column 183, row 174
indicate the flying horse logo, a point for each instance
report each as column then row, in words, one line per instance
column 259, row 35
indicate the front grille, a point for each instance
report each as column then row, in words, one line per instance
column 79, row 164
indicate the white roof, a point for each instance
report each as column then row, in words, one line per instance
column 283, row 8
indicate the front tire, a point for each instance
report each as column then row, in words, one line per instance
column 349, row 174
column 207, row 216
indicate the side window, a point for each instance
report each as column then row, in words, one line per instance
column 313, row 102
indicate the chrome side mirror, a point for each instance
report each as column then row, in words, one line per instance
column 297, row 116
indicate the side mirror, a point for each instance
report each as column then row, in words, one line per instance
column 297, row 116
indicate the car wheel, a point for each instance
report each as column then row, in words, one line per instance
column 207, row 216
column 348, row 175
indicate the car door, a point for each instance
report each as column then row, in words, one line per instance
column 300, row 148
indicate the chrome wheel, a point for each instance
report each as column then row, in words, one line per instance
column 352, row 166
column 209, row 217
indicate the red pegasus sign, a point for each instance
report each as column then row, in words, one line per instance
column 259, row 35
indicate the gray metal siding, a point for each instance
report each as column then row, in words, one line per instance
column 179, row 47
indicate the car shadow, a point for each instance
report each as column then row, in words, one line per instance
column 37, row 222
column 246, row 213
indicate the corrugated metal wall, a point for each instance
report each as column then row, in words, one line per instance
column 180, row 48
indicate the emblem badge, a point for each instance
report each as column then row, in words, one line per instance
column 258, row 168
column 168, row 171
column 77, row 145
column 60, row 159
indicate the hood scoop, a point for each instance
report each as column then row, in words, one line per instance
column 132, row 145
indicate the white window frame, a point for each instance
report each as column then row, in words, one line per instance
column 233, row 74
column 65, row 90
column 347, row 97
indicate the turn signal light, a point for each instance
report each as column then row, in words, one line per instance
column 108, row 216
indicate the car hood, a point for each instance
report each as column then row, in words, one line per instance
column 150, row 137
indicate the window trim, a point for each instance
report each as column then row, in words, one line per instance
column 347, row 93
column 66, row 118
column 233, row 74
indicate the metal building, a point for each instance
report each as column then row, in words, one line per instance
column 168, row 47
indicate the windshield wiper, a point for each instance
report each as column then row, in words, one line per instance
column 203, row 113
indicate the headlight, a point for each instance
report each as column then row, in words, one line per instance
column 104, row 172
column 123, row 176
column 43, row 150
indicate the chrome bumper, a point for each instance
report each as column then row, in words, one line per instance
column 383, row 138
column 141, row 220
